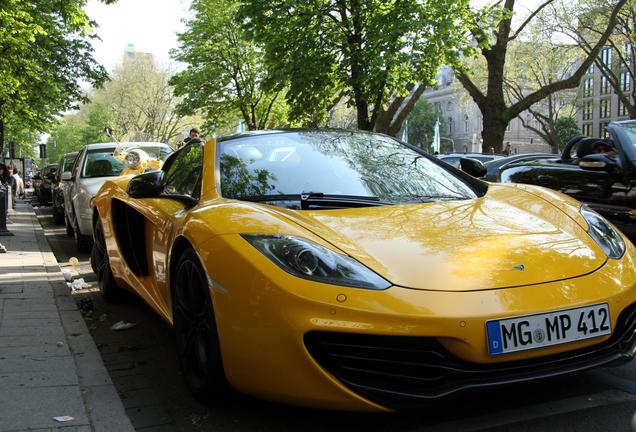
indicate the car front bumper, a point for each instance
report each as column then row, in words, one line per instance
column 306, row 343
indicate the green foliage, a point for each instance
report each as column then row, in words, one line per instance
column 142, row 102
column 225, row 73
column 421, row 123
column 46, row 50
column 76, row 130
column 368, row 51
column 567, row 129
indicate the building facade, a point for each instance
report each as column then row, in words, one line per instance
column 599, row 102
column 463, row 121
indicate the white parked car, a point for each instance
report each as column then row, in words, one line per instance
column 93, row 166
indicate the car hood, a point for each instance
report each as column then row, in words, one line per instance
column 505, row 239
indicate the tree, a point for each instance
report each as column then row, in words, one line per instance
column 493, row 45
column 566, row 128
column 225, row 73
column 45, row 51
column 616, row 66
column 535, row 63
column 421, row 122
column 377, row 55
column 140, row 102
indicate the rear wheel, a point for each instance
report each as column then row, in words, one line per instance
column 195, row 330
column 101, row 266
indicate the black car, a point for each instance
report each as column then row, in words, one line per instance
column 454, row 158
column 604, row 181
column 48, row 177
column 65, row 165
column 494, row 166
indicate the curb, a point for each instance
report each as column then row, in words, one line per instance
column 103, row 404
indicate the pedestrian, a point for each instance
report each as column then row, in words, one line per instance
column 19, row 190
column 4, row 174
column 508, row 149
column 194, row 134
column 13, row 184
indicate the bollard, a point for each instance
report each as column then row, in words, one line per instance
column 4, row 202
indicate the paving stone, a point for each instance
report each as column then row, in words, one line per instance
column 48, row 350
column 39, row 379
column 30, row 408
column 37, row 363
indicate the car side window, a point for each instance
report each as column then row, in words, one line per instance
column 183, row 174
column 76, row 164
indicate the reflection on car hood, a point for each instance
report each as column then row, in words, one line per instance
column 504, row 239
column 92, row 185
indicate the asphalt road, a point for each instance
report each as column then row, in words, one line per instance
column 142, row 364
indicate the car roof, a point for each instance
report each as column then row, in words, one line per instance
column 99, row 146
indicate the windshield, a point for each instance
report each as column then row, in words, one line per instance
column 630, row 130
column 67, row 162
column 102, row 163
column 333, row 163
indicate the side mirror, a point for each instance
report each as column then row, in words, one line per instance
column 67, row 176
column 146, row 185
column 473, row 167
column 598, row 162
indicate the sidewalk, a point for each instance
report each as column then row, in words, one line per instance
column 49, row 364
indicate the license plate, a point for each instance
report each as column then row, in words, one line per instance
column 546, row 329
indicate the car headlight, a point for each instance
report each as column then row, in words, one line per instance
column 604, row 234
column 308, row 260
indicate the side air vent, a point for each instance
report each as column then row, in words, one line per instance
column 130, row 231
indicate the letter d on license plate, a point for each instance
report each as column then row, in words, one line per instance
column 552, row 328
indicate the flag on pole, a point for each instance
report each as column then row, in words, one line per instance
column 436, row 137
column 405, row 132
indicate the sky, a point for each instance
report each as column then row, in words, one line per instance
column 150, row 25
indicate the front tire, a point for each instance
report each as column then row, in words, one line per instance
column 195, row 330
column 101, row 266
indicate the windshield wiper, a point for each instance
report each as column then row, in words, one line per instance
column 320, row 200
column 428, row 198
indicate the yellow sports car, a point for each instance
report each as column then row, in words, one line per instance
column 347, row 270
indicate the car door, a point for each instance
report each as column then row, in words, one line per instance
column 69, row 190
column 161, row 219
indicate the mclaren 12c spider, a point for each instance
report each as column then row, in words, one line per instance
column 347, row 270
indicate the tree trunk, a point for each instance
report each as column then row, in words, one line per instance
column 494, row 131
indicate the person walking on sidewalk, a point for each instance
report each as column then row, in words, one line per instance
column 19, row 189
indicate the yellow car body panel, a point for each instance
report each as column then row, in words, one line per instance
column 451, row 266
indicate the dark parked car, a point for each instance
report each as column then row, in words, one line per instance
column 48, row 177
column 606, row 182
column 65, row 165
column 453, row 158
column 494, row 166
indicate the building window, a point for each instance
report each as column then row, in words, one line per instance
column 602, row 130
column 450, row 126
column 626, row 81
column 466, row 124
column 587, row 129
column 509, row 126
column 604, row 108
column 605, row 88
column 588, row 87
column 622, row 109
column 606, row 57
column 628, row 54
column 590, row 69
column 438, row 107
column 588, row 111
